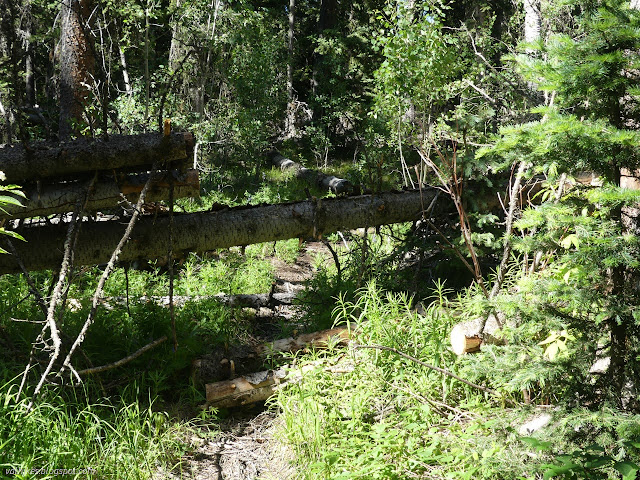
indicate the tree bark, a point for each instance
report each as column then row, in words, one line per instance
column 326, row 182
column 290, row 120
column 108, row 193
column 48, row 159
column 532, row 21
column 198, row 232
column 77, row 64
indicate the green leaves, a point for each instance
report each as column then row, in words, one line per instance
column 556, row 344
column 12, row 197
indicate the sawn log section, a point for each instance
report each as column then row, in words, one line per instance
column 198, row 232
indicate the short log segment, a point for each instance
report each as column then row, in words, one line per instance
column 258, row 387
column 333, row 336
column 199, row 232
column 108, row 193
column 467, row 337
column 42, row 160
column 324, row 181
column 220, row 365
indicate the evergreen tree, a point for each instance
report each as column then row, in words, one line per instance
column 589, row 242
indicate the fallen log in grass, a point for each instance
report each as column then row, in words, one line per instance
column 245, row 300
column 205, row 231
column 314, row 177
column 258, row 387
column 246, row 358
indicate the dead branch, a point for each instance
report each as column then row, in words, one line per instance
column 69, row 244
column 125, row 360
column 103, row 279
column 513, row 204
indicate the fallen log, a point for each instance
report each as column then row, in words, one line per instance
column 468, row 337
column 219, row 365
column 322, row 339
column 258, row 387
column 67, row 159
column 108, row 193
column 322, row 180
column 204, row 231
column 250, row 300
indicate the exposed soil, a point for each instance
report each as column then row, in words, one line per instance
column 246, row 448
column 248, row 445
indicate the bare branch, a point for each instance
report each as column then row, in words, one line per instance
column 106, row 273
column 125, row 360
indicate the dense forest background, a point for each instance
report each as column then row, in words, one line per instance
column 522, row 116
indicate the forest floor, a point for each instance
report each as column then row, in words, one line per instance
column 247, row 444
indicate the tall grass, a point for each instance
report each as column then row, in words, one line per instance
column 391, row 418
column 109, row 439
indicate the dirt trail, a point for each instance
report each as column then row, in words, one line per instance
column 248, row 446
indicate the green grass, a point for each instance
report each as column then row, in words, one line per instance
column 101, row 440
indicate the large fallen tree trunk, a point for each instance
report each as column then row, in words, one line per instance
column 107, row 193
column 199, row 232
column 64, row 159
column 314, row 177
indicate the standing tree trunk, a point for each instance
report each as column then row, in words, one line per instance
column 77, row 65
column 29, row 79
column 290, row 121
column 326, row 21
column 532, row 21
column 176, row 50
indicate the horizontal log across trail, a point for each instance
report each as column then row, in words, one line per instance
column 204, row 231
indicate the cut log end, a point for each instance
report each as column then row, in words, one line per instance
column 469, row 336
column 461, row 343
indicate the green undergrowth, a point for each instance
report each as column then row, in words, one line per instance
column 390, row 417
column 128, row 421
column 121, row 437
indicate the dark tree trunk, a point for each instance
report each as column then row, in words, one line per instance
column 327, row 21
column 77, row 65
column 199, row 232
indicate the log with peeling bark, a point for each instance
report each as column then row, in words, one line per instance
column 199, row 232
column 322, row 339
column 322, row 180
column 468, row 337
column 107, row 193
column 242, row 358
column 258, row 387
column 42, row 160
